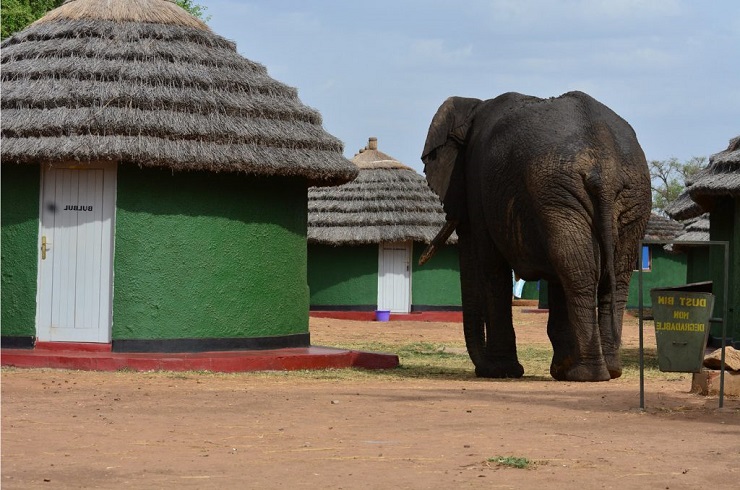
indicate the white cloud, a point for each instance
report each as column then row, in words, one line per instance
column 435, row 51
column 625, row 9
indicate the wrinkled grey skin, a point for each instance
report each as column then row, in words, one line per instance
column 555, row 189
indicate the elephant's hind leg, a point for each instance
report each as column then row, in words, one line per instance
column 572, row 359
column 574, row 328
column 560, row 333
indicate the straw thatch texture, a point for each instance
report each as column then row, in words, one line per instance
column 684, row 207
column 721, row 178
column 165, row 12
column 388, row 201
column 663, row 229
column 144, row 82
column 695, row 230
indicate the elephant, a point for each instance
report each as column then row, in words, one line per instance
column 555, row 189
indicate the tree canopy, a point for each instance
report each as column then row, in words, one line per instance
column 18, row 14
column 668, row 179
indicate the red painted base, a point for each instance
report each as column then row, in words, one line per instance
column 98, row 357
column 417, row 316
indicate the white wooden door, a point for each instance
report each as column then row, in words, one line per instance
column 394, row 277
column 75, row 253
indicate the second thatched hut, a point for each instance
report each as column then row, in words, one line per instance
column 365, row 238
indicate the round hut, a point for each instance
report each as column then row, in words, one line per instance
column 716, row 190
column 692, row 242
column 365, row 239
column 154, row 185
column 660, row 266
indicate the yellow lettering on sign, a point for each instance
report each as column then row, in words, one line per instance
column 693, row 302
column 681, row 315
column 665, row 300
column 679, row 327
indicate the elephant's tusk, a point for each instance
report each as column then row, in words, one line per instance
column 438, row 240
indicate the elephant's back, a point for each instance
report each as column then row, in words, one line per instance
column 533, row 156
column 529, row 127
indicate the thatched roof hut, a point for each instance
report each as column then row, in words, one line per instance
column 721, row 178
column 365, row 239
column 695, row 230
column 143, row 82
column 660, row 228
column 173, row 171
column 716, row 190
column 388, row 201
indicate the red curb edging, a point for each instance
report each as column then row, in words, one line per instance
column 416, row 316
column 314, row 357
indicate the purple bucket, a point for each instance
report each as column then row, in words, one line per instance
column 382, row 315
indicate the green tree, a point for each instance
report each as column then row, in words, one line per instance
column 668, row 179
column 18, row 14
column 195, row 9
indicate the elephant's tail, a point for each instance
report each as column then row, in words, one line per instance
column 606, row 235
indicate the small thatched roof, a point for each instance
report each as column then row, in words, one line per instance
column 695, row 230
column 720, row 178
column 388, row 201
column 660, row 228
column 144, row 82
column 684, row 207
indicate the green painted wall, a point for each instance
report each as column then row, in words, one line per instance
column 343, row 275
column 20, row 229
column 697, row 264
column 531, row 290
column 724, row 224
column 436, row 283
column 202, row 255
column 666, row 270
column 348, row 276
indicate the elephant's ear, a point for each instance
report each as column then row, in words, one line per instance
column 447, row 133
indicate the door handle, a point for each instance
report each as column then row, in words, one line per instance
column 43, row 247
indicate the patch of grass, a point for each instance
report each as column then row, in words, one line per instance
column 511, row 462
column 448, row 361
column 631, row 363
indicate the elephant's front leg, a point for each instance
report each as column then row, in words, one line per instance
column 502, row 360
column 487, row 321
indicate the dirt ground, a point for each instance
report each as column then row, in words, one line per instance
column 67, row 429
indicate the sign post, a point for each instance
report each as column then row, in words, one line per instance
column 723, row 320
column 681, row 317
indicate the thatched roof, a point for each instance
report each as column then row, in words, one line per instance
column 695, row 230
column 684, row 207
column 660, row 228
column 720, row 178
column 388, row 201
column 144, row 82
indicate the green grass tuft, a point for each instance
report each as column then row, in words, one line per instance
column 511, row 461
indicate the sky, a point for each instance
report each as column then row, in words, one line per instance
column 381, row 68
